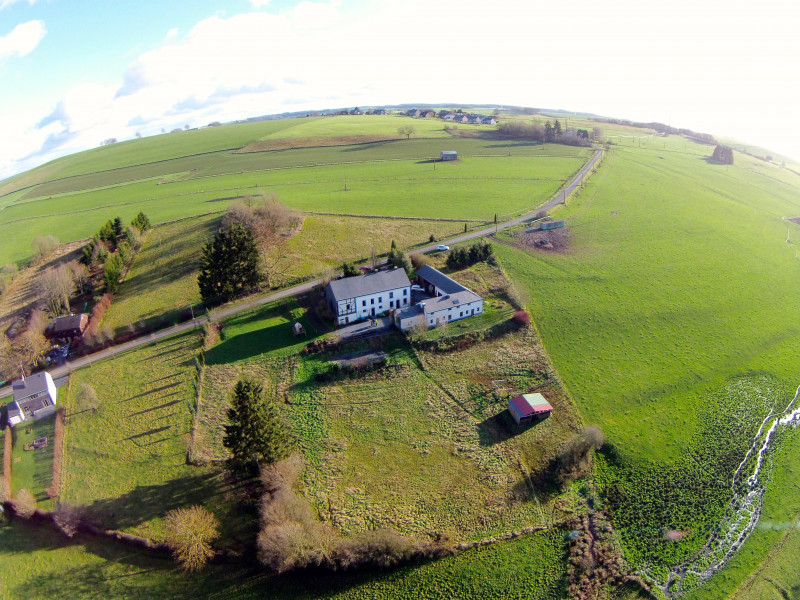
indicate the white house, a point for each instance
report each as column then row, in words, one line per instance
column 450, row 301
column 354, row 298
column 34, row 397
column 448, row 155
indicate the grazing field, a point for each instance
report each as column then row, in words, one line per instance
column 125, row 462
column 394, row 178
column 672, row 295
column 47, row 566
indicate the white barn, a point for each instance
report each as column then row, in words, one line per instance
column 450, row 301
column 354, row 298
column 34, row 397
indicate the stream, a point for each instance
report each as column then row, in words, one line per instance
column 743, row 512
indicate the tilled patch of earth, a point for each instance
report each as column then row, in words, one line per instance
column 552, row 240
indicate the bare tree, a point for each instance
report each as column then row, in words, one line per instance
column 67, row 518
column 189, row 533
column 44, row 245
column 86, row 398
column 32, row 344
column 80, row 275
column 57, row 286
column 406, row 130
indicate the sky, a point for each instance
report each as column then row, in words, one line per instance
column 76, row 72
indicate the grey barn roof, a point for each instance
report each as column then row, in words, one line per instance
column 450, row 301
column 440, row 280
column 372, row 283
column 29, row 386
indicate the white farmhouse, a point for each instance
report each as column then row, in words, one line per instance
column 449, row 301
column 354, row 298
column 34, row 397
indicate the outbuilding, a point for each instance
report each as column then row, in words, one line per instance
column 529, row 407
column 67, row 327
column 448, row 155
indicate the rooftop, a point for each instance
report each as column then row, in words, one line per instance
column 530, row 404
column 30, row 385
column 372, row 283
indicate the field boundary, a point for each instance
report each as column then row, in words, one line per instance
column 8, row 447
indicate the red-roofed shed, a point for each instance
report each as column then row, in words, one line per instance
column 527, row 407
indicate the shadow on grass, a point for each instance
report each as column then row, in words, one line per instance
column 268, row 339
column 500, row 428
column 160, row 406
column 148, row 501
column 153, row 391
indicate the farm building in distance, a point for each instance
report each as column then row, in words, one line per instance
column 34, row 397
column 448, row 155
column 354, row 298
column 529, row 407
column 551, row 225
column 449, row 301
column 68, row 327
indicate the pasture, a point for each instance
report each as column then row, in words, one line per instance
column 674, row 289
column 125, row 462
column 198, row 172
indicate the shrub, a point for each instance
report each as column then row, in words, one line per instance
column 24, row 504
column 189, row 533
column 521, row 318
column 67, row 518
column 86, row 398
column 43, row 246
column 419, row 260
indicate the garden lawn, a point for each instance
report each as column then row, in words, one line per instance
column 33, row 469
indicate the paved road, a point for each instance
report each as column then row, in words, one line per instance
column 227, row 311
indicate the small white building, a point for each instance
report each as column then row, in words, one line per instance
column 354, row 298
column 448, row 155
column 34, row 397
column 449, row 301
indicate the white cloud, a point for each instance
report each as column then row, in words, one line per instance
column 686, row 63
column 7, row 3
column 22, row 40
column 259, row 3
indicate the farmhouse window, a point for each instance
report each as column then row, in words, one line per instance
column 363, row 303
column 391, row 303
column 372, row 300
column 405, row 291
column 391, row 294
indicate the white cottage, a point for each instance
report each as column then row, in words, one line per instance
column 34, row 397
column 354, row 298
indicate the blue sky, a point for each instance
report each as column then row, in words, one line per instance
column 75, row 72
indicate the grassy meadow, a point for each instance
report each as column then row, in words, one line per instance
column 672, row 299
column 193, row 173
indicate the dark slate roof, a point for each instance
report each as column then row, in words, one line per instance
column 372, row 283
column 29, row 386
column 410, row 311
column 70, row 323
column 440, row 280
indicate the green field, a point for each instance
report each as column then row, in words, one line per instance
column 673, row 289
column 33, row 469
column 197, row 172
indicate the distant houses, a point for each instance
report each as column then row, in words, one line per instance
column 448, row 301
column 452, row 117
column 34, row 398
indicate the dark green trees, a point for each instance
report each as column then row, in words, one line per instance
column 141, row 222
column 723, row 154
column 256, row 433
column 459, row 258
column 229, row 265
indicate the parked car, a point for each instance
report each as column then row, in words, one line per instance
column 416, row 288
column 442, row 247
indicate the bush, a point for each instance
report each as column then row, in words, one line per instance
column 43, row 246
column 67, row 518
column 521, row 318
column 419, row 260
column 189, row 533
column 24, row 504
column 86, row 398
column 460, row 258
